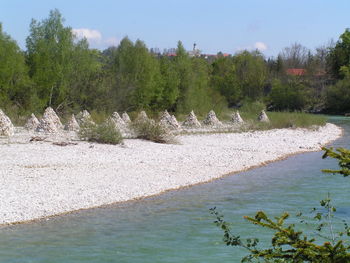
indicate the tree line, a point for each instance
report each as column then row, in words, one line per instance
column 58, row 70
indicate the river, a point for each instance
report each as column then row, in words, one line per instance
column 177, row 226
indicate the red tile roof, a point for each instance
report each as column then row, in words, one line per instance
column 296, row 71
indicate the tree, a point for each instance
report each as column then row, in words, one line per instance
column 289, row 95
column 170, row 82
column 49, row 50
column 295, row 56
column 194, row 86
column 338, row 96
column 251, row 73
column 339, row 56
column 15, row 88
column 59, row 65
column 137, row 79
column 291, row 245
column 224, row 80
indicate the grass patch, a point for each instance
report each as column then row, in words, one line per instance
column 152, row 131
column 280, row 120
column 105, row 133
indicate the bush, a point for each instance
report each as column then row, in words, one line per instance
column 152, row 131
column 105, row 133
column 338, row 97
column 288, row 96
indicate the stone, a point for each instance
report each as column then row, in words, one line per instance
column 118, row 121
column 236, row 117
column 72, row 124
column 169, row 121
column 263, row 117
column 126, row 117
column 49, row 113
column 84, row 118
column 116, row 117
column 50, row 122
column 32, row 123
column 191, row 121
column 6, row 126
column 174, row 122
column 211, row 119
column 142, row 116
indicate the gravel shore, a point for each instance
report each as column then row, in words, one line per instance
column 39, row 179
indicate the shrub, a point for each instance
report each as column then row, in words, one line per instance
column 105, row 133
column 152, row 131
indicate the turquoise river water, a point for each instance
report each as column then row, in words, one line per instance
column 177, row 226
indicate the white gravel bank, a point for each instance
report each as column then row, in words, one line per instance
column 40, row 179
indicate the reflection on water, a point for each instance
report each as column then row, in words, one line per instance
column 177, row 226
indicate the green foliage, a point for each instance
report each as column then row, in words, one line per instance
column 224, row 80
column 105, row 133
column 278, row 120
column 59, row 70
column 291, row 245
column 295, row 120
column 152, row 131
column 339, row 56
column 251, row 73
column 59, row 67
column 343, row 157
column 288, row 96
column 15, row 86
column 338, row 96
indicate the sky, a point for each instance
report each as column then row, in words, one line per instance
column 214, row 25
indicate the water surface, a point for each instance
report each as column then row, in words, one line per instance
column 176, row 226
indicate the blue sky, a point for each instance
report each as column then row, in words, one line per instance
column 215, row 25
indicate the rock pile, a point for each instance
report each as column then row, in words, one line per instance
column 236, row 118
column 191, row 121
column 212, row 120
column 263, row 117
column 126, row 117
column 32, row 123
column 142, row 117
column 84, row 118
column 50, row 122
column 118, row 121
column 6, row 126
column 72, row 124
column 169, row 121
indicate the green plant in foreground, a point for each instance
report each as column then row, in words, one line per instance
column 105, row 133
column 289, row 244
column 343, row 156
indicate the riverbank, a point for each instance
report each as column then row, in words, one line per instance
column 40, row 179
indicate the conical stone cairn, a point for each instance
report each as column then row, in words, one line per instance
column 263, row 117
column 142, row 117
column 32, row 123
column 191, row 121
column 126, row 117
column 174, row 122
column 6, row 126
column 117, row 120
column 84, row 118
column 236, row 118
column 50, row 122
column 169, row 121
column 72, row 124
column 211, row 119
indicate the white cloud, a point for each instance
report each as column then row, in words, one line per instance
column 91, row 35
column 260, row 46
column 112, row 41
